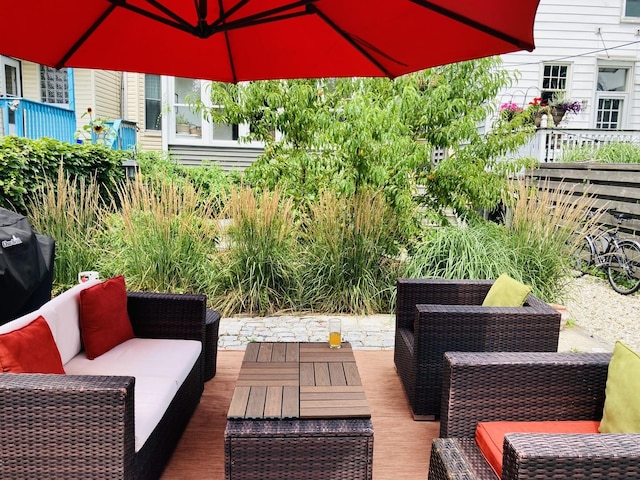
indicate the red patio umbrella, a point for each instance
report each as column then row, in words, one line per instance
column 236, row 40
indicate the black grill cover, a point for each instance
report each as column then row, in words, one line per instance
column 26, row 266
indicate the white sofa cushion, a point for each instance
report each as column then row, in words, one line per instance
column 65, row 324
column 62, row 313
column 159, row 366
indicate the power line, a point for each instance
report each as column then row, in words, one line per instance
column 575, row 56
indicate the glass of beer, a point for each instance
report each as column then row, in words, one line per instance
column 335, row 333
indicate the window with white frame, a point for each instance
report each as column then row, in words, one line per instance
column 611, row 96
column 54, row 85
column 187, row 122
column 632, row 8
column 152, row 102
column 190, row 125
column 554, row 81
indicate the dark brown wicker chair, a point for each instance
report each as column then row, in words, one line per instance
column 529, row 387
column 434, row 316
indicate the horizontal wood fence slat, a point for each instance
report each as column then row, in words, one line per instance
column 615, row 186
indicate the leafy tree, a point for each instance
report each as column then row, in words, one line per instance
column 349, row 134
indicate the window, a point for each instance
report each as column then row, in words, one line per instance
column 54, row 85
column 152, row 103
column 10, row 77
column 187, row 121
column 611, row 96
column 189, row 124
column 632, row 8
column 554, row 81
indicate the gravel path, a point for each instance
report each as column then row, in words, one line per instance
column 595, row 307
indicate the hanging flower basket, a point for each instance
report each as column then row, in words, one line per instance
column 557, row 114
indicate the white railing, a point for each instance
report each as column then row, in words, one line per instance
column 548, row 144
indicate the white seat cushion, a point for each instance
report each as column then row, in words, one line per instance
column 62, row 313
column 159, row 366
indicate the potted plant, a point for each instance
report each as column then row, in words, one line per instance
column 509, row 110
column 559, row 106
column 182, row 124
column 536, row 109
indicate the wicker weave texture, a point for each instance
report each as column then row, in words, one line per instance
column 434, row 316
column 335, row 449
column 82, row 427
column 211, row 344
column 529, row 387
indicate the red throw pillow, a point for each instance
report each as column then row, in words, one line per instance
column 104, row 320
column 30, row 349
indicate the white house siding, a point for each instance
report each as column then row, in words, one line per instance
column 134, row 101
column 31, row 81
column 84, row 95
column 227, row 158
column 108, row 93
column 566, row 31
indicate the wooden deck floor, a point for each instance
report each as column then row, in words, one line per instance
column 401, row 445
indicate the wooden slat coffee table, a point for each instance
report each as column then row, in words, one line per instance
column 298, row 411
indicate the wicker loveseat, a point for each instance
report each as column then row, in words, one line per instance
column 434, row 316
column 507, row 386
column 119, row 416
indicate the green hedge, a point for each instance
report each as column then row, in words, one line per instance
column 25, row 164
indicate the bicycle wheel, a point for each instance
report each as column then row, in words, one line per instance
column 624, row 267
column 584, row 257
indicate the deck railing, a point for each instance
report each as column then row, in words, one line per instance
column 30, row 119
column 549, row 144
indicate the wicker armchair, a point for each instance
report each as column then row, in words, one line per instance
column 434, row 316
column 529, row 387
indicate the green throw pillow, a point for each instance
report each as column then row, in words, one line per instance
column 506, row 292
column 621, row 405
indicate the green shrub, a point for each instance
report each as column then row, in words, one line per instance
column 258, row 271
column 349, row 253
column 473, row 251
column 25, row 164
column 535, row 246
column 208, row 179
column 615, row 152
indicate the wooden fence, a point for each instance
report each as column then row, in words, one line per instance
column 615, row 186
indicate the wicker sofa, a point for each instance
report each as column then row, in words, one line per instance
column 434, row 316
column 87, row 423
column 507, row 386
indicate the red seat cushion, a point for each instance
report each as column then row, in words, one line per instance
column 490, row 435
column 104, row 320
column 30, row 349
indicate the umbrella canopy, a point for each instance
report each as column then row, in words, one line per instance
column 236, row 40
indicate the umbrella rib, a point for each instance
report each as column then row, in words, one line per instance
column 178, row 23
column 228, row 44
column 474, row 24
column 351, row 41
column 263, row 17
column 84, row 37
column 224, row 15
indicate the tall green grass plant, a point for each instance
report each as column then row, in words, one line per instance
column 349, row 258
column 162, row 238
column 535, row 246
column 258, row 270
column 70, row 211
column 615, row 152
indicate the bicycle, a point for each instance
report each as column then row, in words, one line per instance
column 620, row 258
